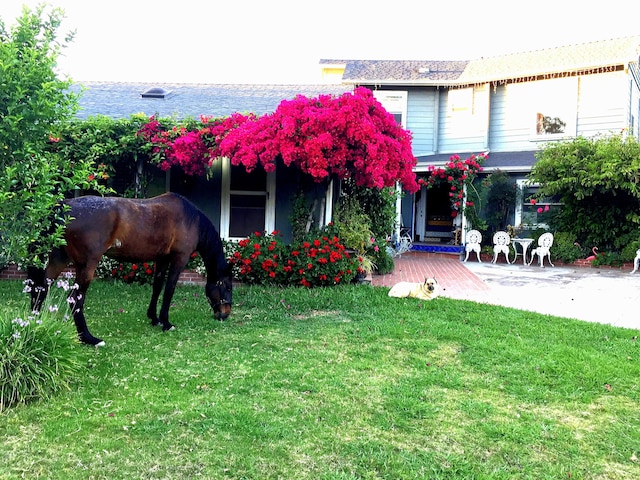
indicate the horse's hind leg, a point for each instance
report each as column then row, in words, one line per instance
column 37, row 286
column 39, row 279
column 158, row 282
column 84, row 275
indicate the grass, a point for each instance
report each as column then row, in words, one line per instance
column 338, row 383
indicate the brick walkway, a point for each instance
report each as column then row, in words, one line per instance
column 456, row 280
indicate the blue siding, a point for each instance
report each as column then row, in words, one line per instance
column 421, row 120
column 603, row 104
column 463, row 115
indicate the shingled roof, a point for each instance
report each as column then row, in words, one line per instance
column 604, row 55
column 121, row 100
column 391, row 71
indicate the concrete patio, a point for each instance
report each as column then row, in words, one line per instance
column 610, row 296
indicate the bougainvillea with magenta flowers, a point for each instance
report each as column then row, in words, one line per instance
column 456, row 172
column 350, row 135
column 193, row 147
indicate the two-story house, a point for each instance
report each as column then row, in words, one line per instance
column 506, row 106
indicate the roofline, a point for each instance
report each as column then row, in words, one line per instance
column 616, row 67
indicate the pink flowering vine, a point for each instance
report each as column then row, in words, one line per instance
column 456, row 173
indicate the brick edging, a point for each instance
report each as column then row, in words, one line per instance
column 581, row 262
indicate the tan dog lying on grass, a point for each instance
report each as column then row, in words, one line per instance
column 423, row 291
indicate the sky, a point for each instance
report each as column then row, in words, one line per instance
column 282, row 41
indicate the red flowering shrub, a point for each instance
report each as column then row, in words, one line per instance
column 259, row 259
column 265, row 259
column 127, row 272
column 193, row 146
column 140, row 272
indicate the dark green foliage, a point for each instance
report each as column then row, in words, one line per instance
column 565, row 248
column 34, row 106
column 39, row 353
column 383, row 261
column 379, row 205
column 299, row 217
column 501, row 197
column 597, row 182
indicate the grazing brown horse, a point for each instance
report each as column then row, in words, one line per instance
column 166, row 229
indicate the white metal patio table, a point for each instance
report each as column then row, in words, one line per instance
column 524, row 245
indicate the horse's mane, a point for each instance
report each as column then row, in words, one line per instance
column 209, row 243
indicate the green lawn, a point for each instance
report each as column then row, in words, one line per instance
column 338, row 383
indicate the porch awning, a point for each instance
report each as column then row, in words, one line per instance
column 516, row 162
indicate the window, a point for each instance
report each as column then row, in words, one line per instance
column 248, row 203
column 531, row 213
column 554, row 105
column 461, row 100
column 394, row 102
column 548, row 125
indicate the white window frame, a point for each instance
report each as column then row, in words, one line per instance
column 562, row 104
column 394, row 102
column 523, row 184
column 225, row 201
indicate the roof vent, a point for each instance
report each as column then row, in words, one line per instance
column 423, row 70
column 155, row 92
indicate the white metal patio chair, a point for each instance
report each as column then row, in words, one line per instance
column 545, row 242
column 501, row 243
column 636, row 261
column 472, row 244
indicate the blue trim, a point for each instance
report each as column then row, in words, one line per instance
column 457, row 249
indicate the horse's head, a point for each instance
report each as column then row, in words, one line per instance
column 219, row 294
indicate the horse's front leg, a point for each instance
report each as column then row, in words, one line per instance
column 169, row 289
column 158, row 282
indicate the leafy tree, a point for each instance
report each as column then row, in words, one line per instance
column 34, row 106
column 598, row 182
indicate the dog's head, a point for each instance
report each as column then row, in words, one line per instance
column 430, row 284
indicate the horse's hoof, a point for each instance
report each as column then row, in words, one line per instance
column 100, row 344
column 168, row 328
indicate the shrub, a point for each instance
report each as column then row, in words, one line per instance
column 628, row 253
column 381, row 257
column 37, row 350
column 608, row 258
column 259, row 259
column 140, row 272
column 265, row 259
column 565, row 248
column 321, row 262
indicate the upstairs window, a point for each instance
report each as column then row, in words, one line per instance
column 555, row 105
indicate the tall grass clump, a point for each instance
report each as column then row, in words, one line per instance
column 38, row 355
